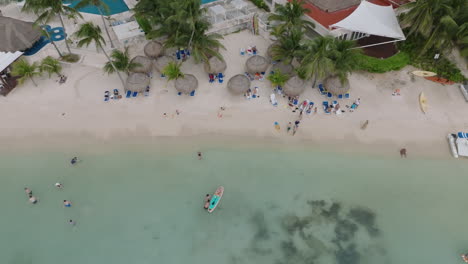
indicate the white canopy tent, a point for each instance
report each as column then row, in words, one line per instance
column 7, row 58
column 372, row 19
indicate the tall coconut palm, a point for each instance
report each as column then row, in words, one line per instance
column 102, row 8
column 121, row 61
column 46, row 10
column 345, row 58
column 50, row 65
column 25, row 70
column 291, row 15
column 278, row 78
column 288, row 47
column 316, row 58
column 89, row 33
column 172, row 71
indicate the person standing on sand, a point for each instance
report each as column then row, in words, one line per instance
column 403, row 153
column 295, row 130
column 289, row 127
column 199, row 155
column 296, row 124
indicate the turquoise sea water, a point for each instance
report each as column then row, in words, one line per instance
column 292, row 206
column 115, row 7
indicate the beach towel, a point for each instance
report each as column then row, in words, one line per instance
column 192, row 93
column 135, row 94
column 129, row 94
column 273, row 100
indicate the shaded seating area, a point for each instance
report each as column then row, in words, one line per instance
column 215, row 68
column 136, row 83
column 145, row 64
column 257, row 64
column 186, row 85
column 153, row 49
column 238, row 84
column 378, row 51
column 294, row 86
column 283, row 68
column 17, row 35
column 333, row 86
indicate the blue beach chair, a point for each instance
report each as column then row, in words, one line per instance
column 192, row 93
column 325, row 106
column 346, row 95
column 335, row 102
column 177, row 55
column 329, row 95
column 340, row 96
column 220, row 77
column 128, row 94
column 135, row 94
column 179, row 93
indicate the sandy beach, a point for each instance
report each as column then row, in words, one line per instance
column 76, row 110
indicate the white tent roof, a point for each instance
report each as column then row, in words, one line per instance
column 374, row 20
column 7, row 58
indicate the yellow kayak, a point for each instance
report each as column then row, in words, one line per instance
column 423, row 102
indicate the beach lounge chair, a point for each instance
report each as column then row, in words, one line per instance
column 346, row 95
column 179, row 93
column 106, row 96
column 309, row 109
column 322, row 91
column 128, row 94
column 242, row 51
column 325, row 107
column 340, row 96
column 295, row 101
column 273, row 99
column 135, row 94
column 220, row 77
column 192, row 93
column 329, row 95
column 335, row 102
column 177, row 55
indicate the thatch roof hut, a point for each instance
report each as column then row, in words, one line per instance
column 294, row 86
column 215, row 49
column 137, row 82
column 161, row 62
column 17, row 35
column 146, row 64
column 238, row 84
column 186, row 84
column 283, row 68
column 333, row 85
column 256, row 64
column 153, row 49
column 334, row 5
column 215, row 65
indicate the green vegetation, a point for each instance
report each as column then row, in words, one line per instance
column 144, row 24
column 182, row 23
column 71, row 58
column 89, row 33
column 120, row 61
column 172, row 71
column 102, row 8
column 261, row 4
column 51, row 66
column 289, row 17
column 25, row 70
column 376, row 65
column 46, row 10
column 278, row 78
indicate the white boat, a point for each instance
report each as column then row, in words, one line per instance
column 453, row 147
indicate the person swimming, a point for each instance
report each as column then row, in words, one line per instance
column 32, row 199
column 58, row 185
column 74, row 160
column 67, row 203
column 207, row 201
column 465, row 257
column 28, row 191
column 71, row 222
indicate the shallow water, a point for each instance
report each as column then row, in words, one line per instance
column 146, row 207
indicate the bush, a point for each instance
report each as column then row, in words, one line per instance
column 144, row 24
column 394, row 63
column 261, row 4
column 72, row 58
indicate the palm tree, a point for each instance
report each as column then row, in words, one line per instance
column 172, row 71
column 48, row 9
column 102, row 8
column 50, row 65
column 290, row 16
column 316, row 58
column 345, row 58
column 25, row 70
column 121, row 61
column 89, row 33
column 288, row 47
column 278, row 78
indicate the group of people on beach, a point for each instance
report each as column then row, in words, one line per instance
column 58, row 185
column 252, row 94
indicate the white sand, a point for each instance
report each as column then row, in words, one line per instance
column 76, row 108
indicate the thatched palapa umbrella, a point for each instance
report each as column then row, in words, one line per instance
column 256, row 64
column 186, row 84
column 153, row 49
column 294, row 86
column 162, row 62
column 215, row 49
column 283, row 68
column 238, row 84
column 215, row 65
column 137, row 82
column 145, row 66
column 333, row 85
column 17, row 35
